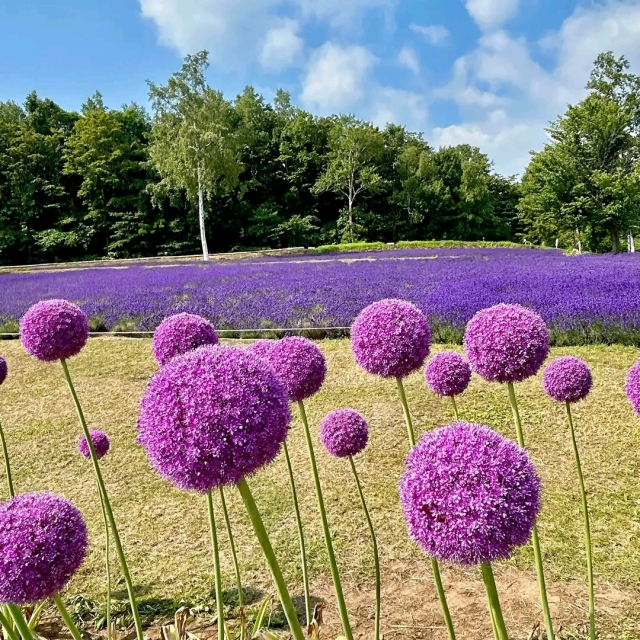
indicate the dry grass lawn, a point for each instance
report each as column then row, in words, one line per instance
column 165, row 530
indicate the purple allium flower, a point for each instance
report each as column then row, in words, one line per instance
column 4, row 370
column 506, row 343
column 181, row 333
column 43, row 541
column 448, row 373
column 567, row 379
column 391, row 338
column 100, row 441
column 633, row 387
column 54, row 330
column 299, row 365
column 344, row 433
column 262, row 349
column 469, row 494
column 213, row 416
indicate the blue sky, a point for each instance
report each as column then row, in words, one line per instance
column 486, row 72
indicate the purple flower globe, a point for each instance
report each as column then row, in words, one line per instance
column 391, row 338
column 448, row 374
column 43, row 542
column 262, row 349
column 299, row 365
column 4, row 369
column 633, row 387
column 469, row 495
column 54, row 330
column 181, row 333
column 100, row 441
column 506, row 343
column 344, row 433
column 567, row 379
column 213, row 416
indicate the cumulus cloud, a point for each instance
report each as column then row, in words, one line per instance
column 282, row 46
column 434, row 34
column 407, row 58
column 407, row 108
column 489, row 14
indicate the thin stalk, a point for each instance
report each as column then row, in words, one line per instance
column 21, row 623
column 216, row 566
column 454, row 404
column 107, row 505
column 374, row 544
column 587, row 528
column 7, row 626
column 500, row 628
column 535, row 539
column 303, row 551
column 335, row 574
column 7, row 464
column 75, row 632
column 270, row 556
column 107, row 564
column 232, row 544
column 434, row 563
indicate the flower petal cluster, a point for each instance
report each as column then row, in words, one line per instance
column 567, row 379
column 181, row 333
column 391, row 338
column 506, row 343
column 54, row 330
column 633, row 387
column 469, row 495
column 448, row 373
column 100, row 442
column 4, row 370
column 300, row 365
column 344, row 433
column 43, row 542
column 262, row 349
column 213, row 416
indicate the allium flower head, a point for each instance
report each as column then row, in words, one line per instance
column 100, row 441
column 262, row 349
column 43, row 541
column 448, row 373
column 299, row 365
column 181, row 333
column 4, row 370
column 54, row 330
column 469, row 495
column 633, row 387
column 391, row 338
column 567, row 379
column 506, row 343
column 344, row 433
column 213, row 416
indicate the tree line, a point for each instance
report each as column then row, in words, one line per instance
column 201, row 173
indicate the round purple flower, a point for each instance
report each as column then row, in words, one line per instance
column 300, row 366
column 43, row 541
column 469, row 495
column 344, row 433
column 506, row 343
column 262, row 349
column 567, row 379
column 633, row 387
column 100, row 441
column 391, row 338
column 54, row 330
column 4, row 370
column 181, row 333
column 213, row 416
column 448, row 373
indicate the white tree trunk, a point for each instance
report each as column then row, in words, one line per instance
column 203, row 233
column 632, row 244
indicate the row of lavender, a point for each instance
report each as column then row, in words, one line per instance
column 583, row 299
column 214, row 415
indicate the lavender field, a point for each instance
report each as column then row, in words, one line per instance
column 584, row 299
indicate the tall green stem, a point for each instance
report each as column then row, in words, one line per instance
column 303, row 551
column 232, row 544
column 500, row 628
column 335, row 574
column 7, row 463
column 107, row 505
column 7, row 625
column 587, row 528
column 216, row 566
column 107, row 564
column 21, row 623
column 454, row 404
column 270, row 556
column 434, row 563
column 374, row 544
column 75, row 632
column 535, row 539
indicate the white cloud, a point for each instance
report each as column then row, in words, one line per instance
column 434, row 34
column 407, row 58
column 282, row 46
column 336, row 77
column 341, row 13
column 489, row 14
column 400, row 107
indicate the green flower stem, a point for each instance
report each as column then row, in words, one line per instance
column 107, row 505
column 335, row 574
column 75, row 632
column 434, row 563
column 216, row 566
column 587, row 528
column 374, row 544
column 535, row 539
column 270, row 556
column 303, row 552
column 7, row 626
column 107, row 564
column 7, row 464
column 500, row 629
column 21, row 623
column 454, row 404
column 232, row 544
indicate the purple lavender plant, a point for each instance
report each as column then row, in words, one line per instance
column 181, row 333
